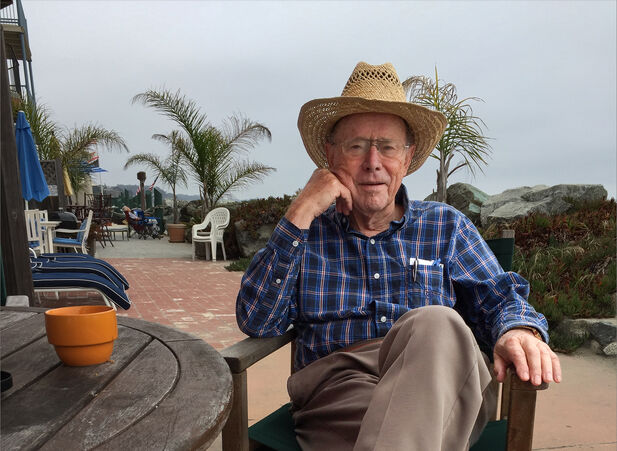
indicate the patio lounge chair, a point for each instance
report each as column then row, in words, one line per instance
column 511, row 430
column 80, row 240
column 75, row 272
column 218, row 219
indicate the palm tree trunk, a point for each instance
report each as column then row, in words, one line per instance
column 175, row 205
column 204, row 201
column 442, row 182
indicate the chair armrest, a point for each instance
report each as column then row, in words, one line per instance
column 197, row 227
column 67, row 230
column 521, row 405
column 245, row 353
column 517, row 384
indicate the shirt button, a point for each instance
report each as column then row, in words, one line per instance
column 376, row 275
column 372, row 241
column 295, row 243
column 383, row 319
column 278, row 281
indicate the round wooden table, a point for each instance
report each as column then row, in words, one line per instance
column 162, row 389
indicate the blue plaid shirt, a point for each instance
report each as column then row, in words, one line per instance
column 338, row 286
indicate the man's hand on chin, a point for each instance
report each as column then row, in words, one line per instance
column 322, row 189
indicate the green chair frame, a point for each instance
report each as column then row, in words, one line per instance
column 511, row 430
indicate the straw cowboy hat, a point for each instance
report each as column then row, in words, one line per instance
column 370, row 89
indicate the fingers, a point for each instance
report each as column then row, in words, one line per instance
column 533, row 359
column 499, row 367
column 543, row 363
column 322, row 189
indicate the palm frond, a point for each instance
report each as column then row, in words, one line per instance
column 175, row 106
column 44, row 130
column 243, row 174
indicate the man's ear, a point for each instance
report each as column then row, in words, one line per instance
column 412, row 150
column 329, row 149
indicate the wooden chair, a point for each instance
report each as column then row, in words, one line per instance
column 512, row 429
column 218, row 220
column 34, row 230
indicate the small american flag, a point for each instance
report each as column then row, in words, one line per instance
column 152, row 186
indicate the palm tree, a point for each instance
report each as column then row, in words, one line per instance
column 72, row 146
column 169, row 171
column 42, row 126
column 77, row 144
column 463, row 135
column 212, row 153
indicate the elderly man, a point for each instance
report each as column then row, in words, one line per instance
column 383, row 290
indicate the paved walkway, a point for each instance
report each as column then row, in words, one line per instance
column 168, row 287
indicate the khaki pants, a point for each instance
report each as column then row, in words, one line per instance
column 424, row 386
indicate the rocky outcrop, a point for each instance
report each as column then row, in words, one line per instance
column 520, row 202
column 601, row 333
column 465, row 198
column 251, row 242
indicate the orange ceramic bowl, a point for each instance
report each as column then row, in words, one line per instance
column 82, row 335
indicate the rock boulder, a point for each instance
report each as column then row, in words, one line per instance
column 250, row 243
column 516, row 203
column 466, row 198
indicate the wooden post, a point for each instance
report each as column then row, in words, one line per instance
column 15, row 255
column 235, row 431
column 141, row 176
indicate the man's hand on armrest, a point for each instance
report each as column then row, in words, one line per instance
column 533, row 359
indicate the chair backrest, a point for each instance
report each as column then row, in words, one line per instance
column 33, row 225
column 220, row 220
column 503, row 248
column 84, row 229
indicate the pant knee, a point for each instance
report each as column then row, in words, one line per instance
column 432, row 319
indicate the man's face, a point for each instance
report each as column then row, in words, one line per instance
column 372, row 178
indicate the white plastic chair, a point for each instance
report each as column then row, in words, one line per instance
column 34, row 230
column 218, row 219
column 80, row 240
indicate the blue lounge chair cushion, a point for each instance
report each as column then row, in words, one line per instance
column 56, row 279
column 85, row 259
column 48, row 266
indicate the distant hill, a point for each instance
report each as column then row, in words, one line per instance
column 116, row 190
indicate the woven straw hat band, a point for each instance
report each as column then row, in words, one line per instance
column 375, row 82
column 370, row 89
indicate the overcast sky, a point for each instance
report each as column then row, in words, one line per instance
column 545, row 70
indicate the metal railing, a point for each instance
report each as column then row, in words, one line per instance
column 13, row 14
column 10, row 14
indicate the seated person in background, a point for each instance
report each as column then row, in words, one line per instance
column 382, row 289
column 132, row 215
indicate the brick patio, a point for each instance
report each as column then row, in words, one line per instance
column 194, row 296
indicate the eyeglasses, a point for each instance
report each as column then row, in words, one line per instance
column 359, row 147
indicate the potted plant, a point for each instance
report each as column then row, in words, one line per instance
column 171, row 174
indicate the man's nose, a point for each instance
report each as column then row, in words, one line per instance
column 372, row 159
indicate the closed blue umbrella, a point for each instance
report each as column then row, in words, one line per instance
column 33, row 183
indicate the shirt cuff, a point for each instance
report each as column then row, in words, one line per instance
column 287, row 238
column 535, row 332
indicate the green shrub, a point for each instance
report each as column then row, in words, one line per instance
column 254, row 213
column 241, row 264
column 569, row 261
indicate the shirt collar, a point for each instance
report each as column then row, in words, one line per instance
column 401, row 198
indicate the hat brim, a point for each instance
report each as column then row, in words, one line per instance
column 318, row 116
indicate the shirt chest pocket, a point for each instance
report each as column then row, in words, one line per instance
column 426, row 285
